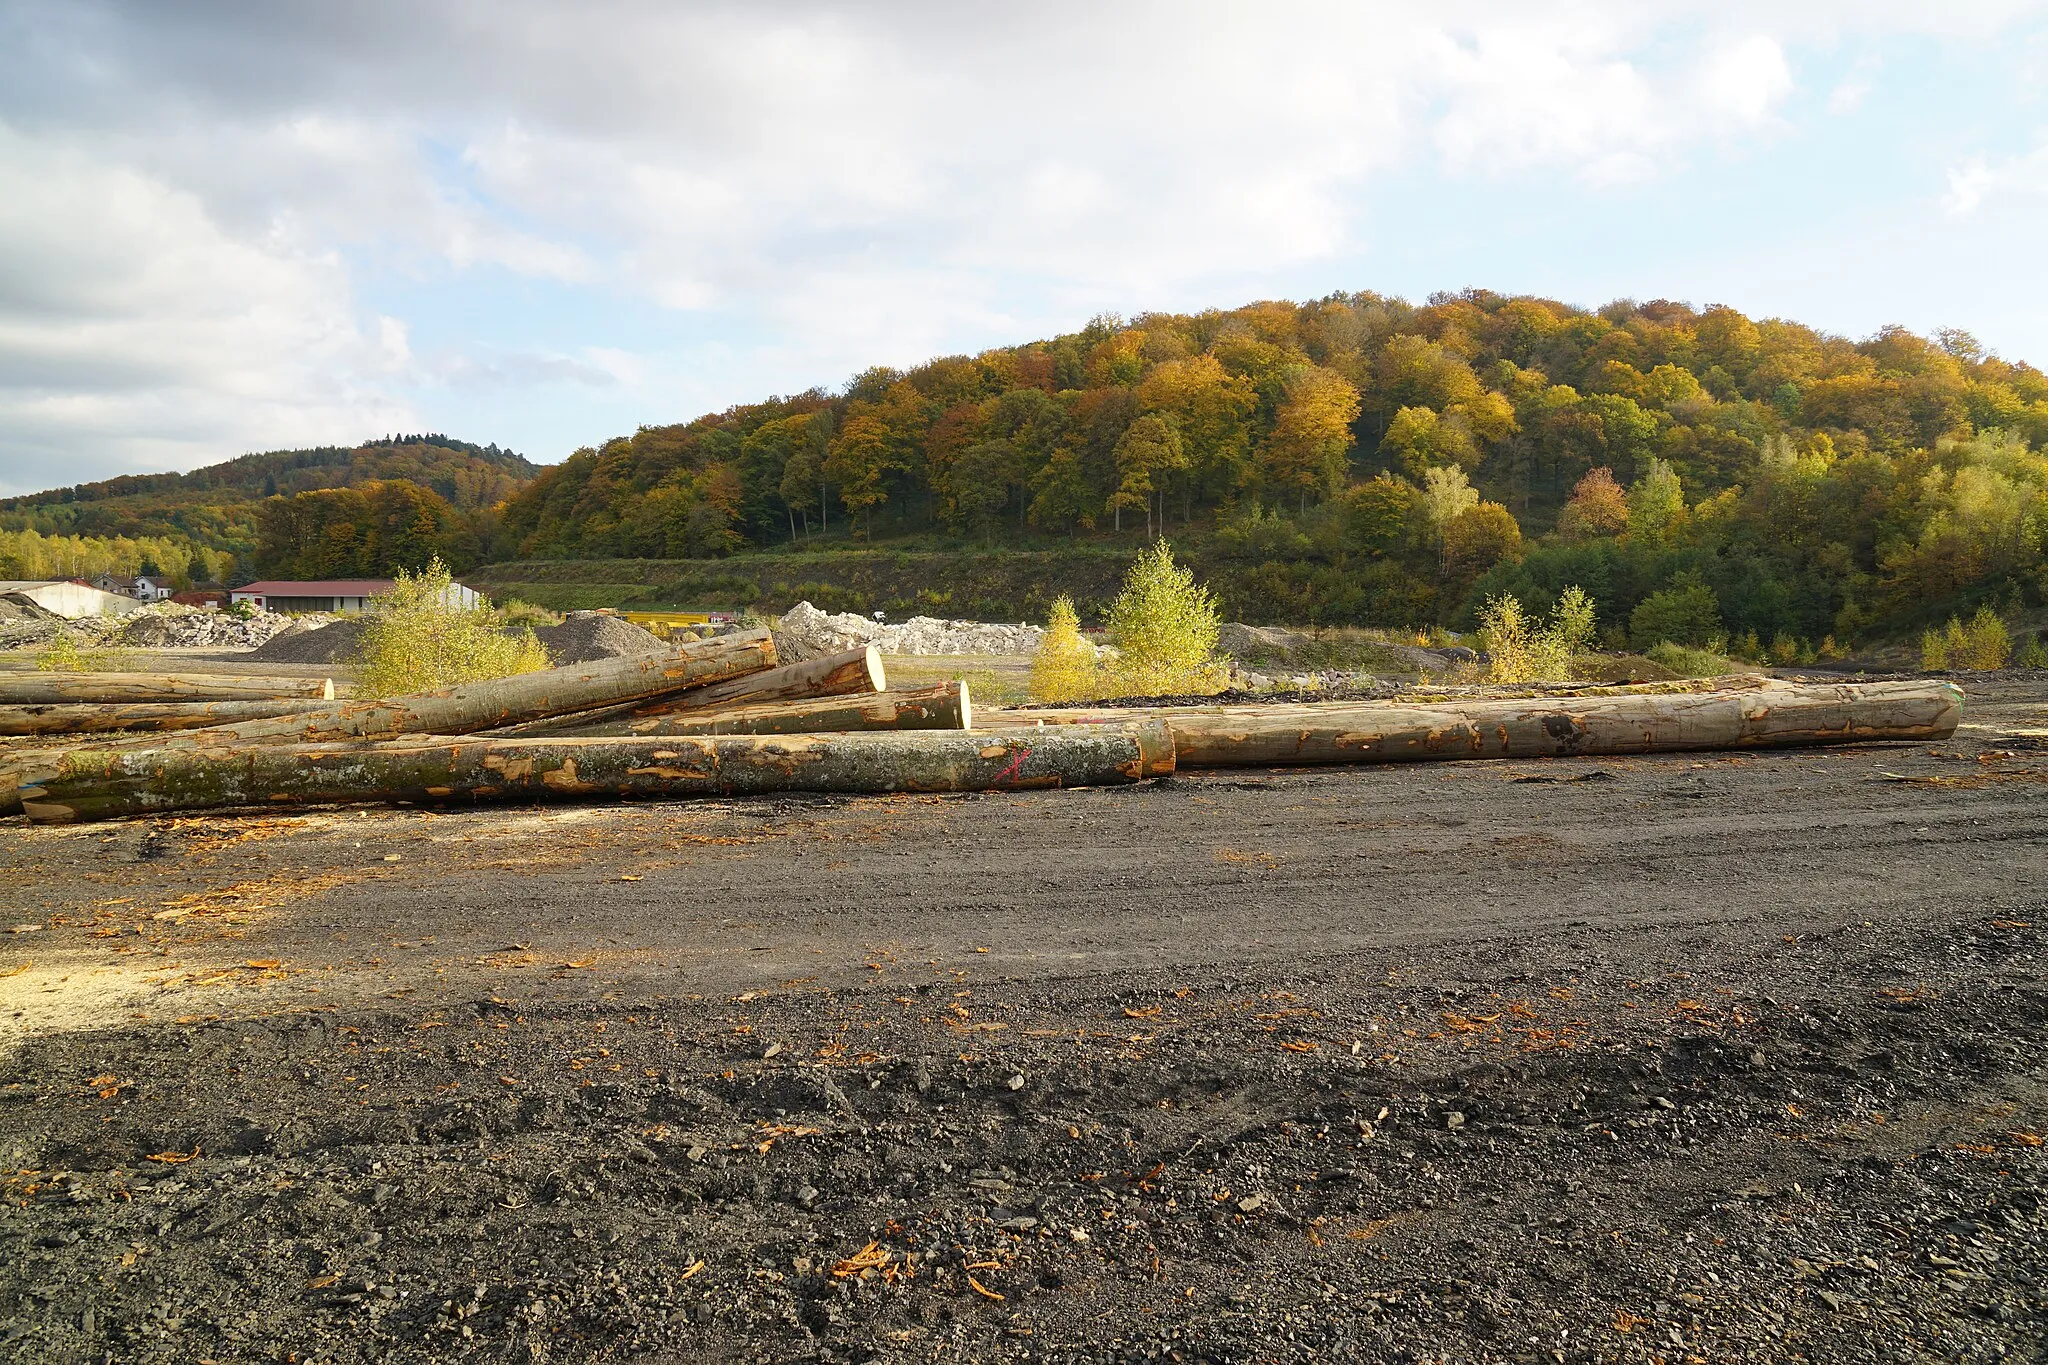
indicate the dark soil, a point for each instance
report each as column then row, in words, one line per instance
column 1719, row 1057
column 334, row 643
column 586, row 635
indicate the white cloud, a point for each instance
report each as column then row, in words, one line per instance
column 1980, row 178
column 871, row 182
column 134, row 333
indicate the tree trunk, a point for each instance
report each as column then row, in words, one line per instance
column 846, row 673
column 1382, row 732
column 108, row 783
column 944, row 707
column 457, row 710
column 86, row 719
column 54, row 688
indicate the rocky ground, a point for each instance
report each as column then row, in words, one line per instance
column 1688, row 1059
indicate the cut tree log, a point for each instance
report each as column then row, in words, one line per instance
column 109, row 783
column 85, row 719
column 847, row 673
column 943, row 707
column 1383, row 732
column 17, row 689
column 456, row 710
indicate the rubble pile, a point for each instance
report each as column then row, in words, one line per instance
column 163, row 625
column 823, row 632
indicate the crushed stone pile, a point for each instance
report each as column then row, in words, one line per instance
column 168, row 625
column 587, row 635
column 820, row 633
column 163, row 625
column 314, row 640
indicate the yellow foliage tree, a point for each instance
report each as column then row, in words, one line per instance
column 1164, row 625
column 419, row 638
column 1064, row 669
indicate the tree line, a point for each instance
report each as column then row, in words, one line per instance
column 1364, row 460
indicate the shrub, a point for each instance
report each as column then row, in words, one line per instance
column 1934, row 650
column 1521, row 651
column 1064, row 668
column 2032, row 654
column 66, row 653
column 1689, row 662
column 1164, row 625
column 417, row 640
column 1685, row 613
column 1986, row 644
column 513, row 613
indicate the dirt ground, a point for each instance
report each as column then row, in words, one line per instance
column 1690, row 1059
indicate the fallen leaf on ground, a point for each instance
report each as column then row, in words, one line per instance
column 173, row 1158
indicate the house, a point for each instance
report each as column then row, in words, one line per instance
column 345, row 596
column 206, row 599
column 145, row 588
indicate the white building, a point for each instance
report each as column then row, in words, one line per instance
column 345, row 596
column 72, row 601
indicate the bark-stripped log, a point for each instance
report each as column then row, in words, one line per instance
column 55, row 688
column 147, row 715
column 456, row 710
column 943, row 707
column 108, row 783
column 1384, row 732
column 848, row 673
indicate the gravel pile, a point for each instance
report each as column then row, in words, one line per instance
column 820, row 632
column 588, row 635
column 314, row 640
column 171, row 626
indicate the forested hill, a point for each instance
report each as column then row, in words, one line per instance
column 1362, row 459
column 218, row 513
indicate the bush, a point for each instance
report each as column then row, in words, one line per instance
column 417, row 640
column 1164, row 625
column 1520, row 651
column 515, row 613
column 64, row 654
column 1064, row 668
column 1686, row 613
column 2032, row 654
column 1986, row 644
column 1688, row 662
column 1983, row 644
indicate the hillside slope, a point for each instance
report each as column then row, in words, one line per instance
column 217, row 512
column 1363, row 460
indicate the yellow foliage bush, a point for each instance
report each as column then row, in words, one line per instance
column 64, row 654
column 1520, row 650
column 417, row 639
column 1164, row 626
column 1981, row 645
column 1064, row 669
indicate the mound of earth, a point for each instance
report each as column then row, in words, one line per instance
column 170, row 625
column 314, row 641
column 588, row 635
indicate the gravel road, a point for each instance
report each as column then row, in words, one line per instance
column 1697, row 1058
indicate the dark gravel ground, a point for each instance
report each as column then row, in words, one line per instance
column 1693, row 1059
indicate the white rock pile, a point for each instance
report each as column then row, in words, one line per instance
column 165, row 625
column 821, row 632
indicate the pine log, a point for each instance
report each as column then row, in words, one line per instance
column 53, row 688
column 942, row 707
column 456, row 710
column 847, row 673
column 86, row 719
column 109, row 783
column 1384, row 732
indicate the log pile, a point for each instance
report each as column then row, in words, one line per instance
column 726, row 717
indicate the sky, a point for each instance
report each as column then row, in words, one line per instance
column 236, row 225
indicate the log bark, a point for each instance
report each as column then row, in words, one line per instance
column 18, row 689
column 109, row 783
column 456, row 710
column 148, row 715
column 1383, row 732
column 943, row 707
column 848, row 673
